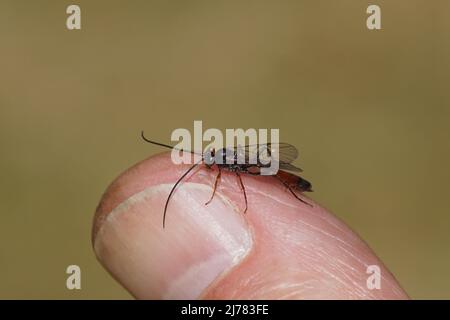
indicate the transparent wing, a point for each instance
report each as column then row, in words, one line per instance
column 289, row 167
column 281, row 152
column 287, row 152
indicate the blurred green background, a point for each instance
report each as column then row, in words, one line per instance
column 369, row 111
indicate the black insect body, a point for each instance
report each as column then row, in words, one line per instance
column 304, row 185
column 246, row 160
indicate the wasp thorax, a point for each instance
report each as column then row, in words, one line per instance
column 225, row 156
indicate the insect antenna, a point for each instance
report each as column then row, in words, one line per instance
column 165, row 145
column 173, row 189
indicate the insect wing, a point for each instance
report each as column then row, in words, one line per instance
column 264, row 153
column 289, row 167
column 287, row 153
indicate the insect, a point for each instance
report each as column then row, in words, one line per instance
column 227, row 159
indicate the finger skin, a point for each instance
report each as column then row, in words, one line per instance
column 297, row 252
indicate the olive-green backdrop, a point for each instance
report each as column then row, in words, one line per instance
column 369, row 111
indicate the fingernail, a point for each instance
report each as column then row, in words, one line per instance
column 198, row 243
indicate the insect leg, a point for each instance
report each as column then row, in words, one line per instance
column 291, row 191
column 215, row 185
column 243, row 189
column 173, row 189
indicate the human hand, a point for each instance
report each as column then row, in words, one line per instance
column 280, row 249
